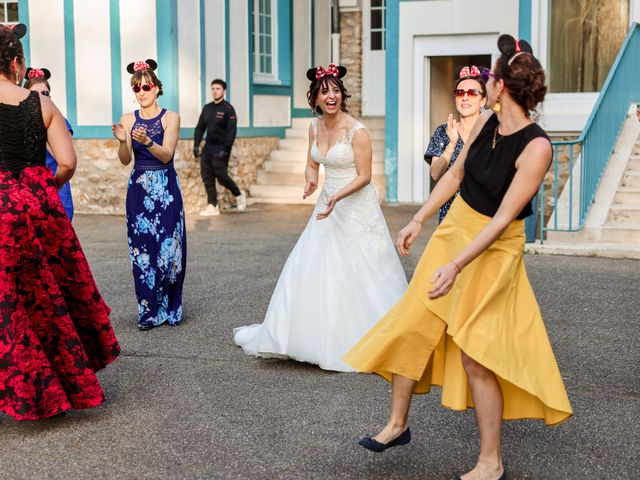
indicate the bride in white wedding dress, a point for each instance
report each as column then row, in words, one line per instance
column 343, row 274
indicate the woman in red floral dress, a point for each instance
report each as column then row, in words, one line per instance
column 54, row 325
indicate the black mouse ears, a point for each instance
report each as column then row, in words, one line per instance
column 332, row 70
column 38, row 73
column 509, row 46
column 18, row 29
column 147, row 64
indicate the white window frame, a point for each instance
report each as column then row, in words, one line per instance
column 3, row 6
column 265, row 77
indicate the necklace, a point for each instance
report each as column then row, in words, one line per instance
column 495, row 134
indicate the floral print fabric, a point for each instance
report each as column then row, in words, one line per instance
column 157, row 244
column 436, row 148
column 54, row 325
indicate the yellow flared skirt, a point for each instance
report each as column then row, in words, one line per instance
column 491, row 314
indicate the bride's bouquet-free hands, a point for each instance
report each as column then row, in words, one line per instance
column 309, row 188
column 331, row 202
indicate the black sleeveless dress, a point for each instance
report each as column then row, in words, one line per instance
column 54, row 325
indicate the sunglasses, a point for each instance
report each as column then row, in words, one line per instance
column 146, row 88
column 472, row 92
column 45, row 93
column 486, row 74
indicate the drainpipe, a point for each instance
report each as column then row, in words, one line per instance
column 335, row 32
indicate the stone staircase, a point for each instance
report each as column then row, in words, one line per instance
column 281, row 178
column 612, row 226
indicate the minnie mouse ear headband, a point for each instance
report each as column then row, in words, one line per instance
column 38, row 73
column 147, row 64
column 469, row 72
column 332, row 70
column 510, row 48
column 18, row 29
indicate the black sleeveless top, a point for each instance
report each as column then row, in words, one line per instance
column 488, row 171
column 23, row 137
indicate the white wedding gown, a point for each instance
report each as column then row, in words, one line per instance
column 342, row 276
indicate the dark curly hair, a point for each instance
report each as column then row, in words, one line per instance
column 10, row 48
column 521, row 72
column 149, row 75
column 326, row 82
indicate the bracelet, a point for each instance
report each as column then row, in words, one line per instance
column 457, row 266
column 417, row 221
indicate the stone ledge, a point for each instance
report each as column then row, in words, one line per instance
column 100, row 182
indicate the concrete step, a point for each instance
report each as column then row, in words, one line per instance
column 631, row 179
column 297, row 178
column 627, row 196
column 626, row 233
column 298, row 166
column 603, row 250
column 624, row 214
column 633, row 165
column 373, row 122
column 289, row 193
column 283, row 200
column 288, row 156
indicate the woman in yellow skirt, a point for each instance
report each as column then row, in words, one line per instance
column 469, row 321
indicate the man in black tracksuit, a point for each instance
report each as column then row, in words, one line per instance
column 218, row 119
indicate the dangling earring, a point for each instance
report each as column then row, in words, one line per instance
column 496, row 107
column 17, row 79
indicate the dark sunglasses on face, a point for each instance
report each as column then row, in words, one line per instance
column 45, row 93
column 472, row 92
column 486, row 74
column 146, row 88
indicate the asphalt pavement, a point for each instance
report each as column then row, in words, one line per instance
column 185, row 403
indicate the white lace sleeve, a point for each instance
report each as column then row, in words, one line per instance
column 354, row 129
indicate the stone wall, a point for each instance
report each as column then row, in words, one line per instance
column 100, row 182
column 351, row 57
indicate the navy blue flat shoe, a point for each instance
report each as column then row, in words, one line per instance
column 145, row 327
column 375, row 446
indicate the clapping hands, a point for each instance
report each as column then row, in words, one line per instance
column 139, row 134
column 119, row 132
column 453, row 129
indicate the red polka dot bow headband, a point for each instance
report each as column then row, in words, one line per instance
column 332, row 70
column 467, row 72
column 37, row 73
column 140, row 65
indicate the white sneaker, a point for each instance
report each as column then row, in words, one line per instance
column 241, row 201
column 210, row 211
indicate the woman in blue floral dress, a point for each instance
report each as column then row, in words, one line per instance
column 448, row 139
column 155, row 214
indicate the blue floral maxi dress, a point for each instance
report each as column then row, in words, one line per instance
column 436, row 148
column 156, row 232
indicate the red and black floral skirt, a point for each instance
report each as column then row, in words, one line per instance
column 54, row 325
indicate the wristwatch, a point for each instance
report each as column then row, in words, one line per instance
column 150, row 144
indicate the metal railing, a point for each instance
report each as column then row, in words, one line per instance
column 578, row 165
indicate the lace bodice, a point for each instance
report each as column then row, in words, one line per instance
column 155, row 131
column 338, row 159
column 23, row 137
